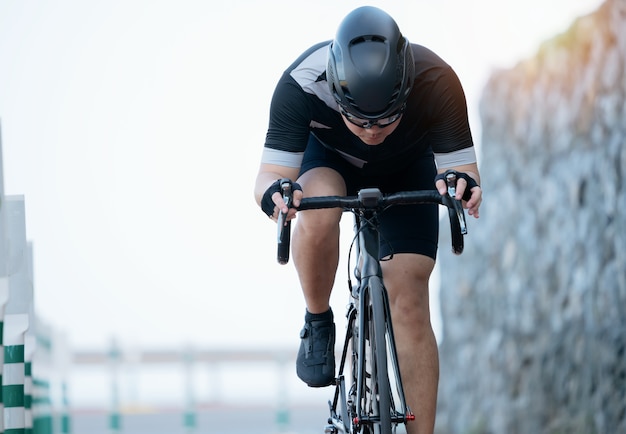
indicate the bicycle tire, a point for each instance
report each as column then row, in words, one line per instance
column 377, row 394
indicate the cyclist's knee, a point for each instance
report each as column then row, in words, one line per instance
column 322, row 181
column 408, row 269
column 406, row 277
column 319, row 225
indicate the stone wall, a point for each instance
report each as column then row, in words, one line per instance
column 534, row 311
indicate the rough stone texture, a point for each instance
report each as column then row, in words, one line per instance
column 534, row 312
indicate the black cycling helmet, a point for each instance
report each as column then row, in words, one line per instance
column 370, row 65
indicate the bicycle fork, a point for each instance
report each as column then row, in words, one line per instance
column 346, row 413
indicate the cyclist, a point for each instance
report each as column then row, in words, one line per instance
column 369, row 109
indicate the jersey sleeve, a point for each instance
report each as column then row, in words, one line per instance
column 450, row 123
column 289, row 118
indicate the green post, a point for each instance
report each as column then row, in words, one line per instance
column 13, row 372
column 65, row 416
column 2, row 280
column 39, row 350
column 28, row 397
column 115, row 417
column 282, row 410
column 189, row 417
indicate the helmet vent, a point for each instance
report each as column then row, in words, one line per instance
column 368, row 38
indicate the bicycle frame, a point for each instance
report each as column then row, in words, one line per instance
column 347, row 413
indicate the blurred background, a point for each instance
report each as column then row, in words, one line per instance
column 130, row 136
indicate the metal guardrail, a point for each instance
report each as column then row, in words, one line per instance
column 197, row 356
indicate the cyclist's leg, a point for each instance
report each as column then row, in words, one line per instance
column 411, row 234
column 406, row 278
column 315, row 243
column 315, row 252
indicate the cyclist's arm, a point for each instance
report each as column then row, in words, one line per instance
column 471, row 169
column 452, row 140
column 268, row 173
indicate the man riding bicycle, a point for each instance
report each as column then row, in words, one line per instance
column 369, row 109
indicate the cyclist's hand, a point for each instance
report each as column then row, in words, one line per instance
column 467, row 189
column 273, row 203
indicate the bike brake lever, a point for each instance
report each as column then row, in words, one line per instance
column 451, row 184
column 284, row 226
column 285, row 188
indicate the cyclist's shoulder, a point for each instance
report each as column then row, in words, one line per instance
column 428, row 64
column 425, row 55
column 303, row 86
column 310, row 66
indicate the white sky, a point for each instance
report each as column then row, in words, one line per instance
column 134, row 129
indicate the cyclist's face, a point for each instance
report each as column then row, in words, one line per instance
column 374, row 135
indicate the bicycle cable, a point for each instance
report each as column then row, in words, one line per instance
column 355, row 238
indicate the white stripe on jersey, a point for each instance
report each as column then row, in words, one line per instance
column 456, row 158
column 281, row 158
column 307, row 72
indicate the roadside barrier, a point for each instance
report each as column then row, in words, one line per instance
column 13, row 374
column 35, row 360
column 26, row 344
column 199, row 382
column 18, row 299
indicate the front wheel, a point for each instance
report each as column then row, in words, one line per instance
column 376, row 391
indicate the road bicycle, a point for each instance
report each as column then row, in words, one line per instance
column 369, row 396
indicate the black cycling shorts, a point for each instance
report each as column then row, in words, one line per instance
column 404, row 228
